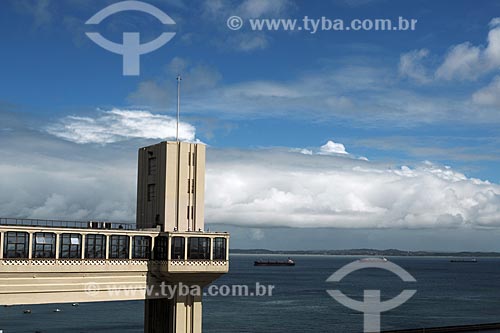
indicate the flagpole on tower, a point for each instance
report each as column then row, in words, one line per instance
column 178, row 106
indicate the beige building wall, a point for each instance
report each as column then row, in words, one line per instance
column 171, row 186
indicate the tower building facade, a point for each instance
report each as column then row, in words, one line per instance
column 171, row 187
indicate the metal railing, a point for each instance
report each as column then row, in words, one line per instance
column 66, row 224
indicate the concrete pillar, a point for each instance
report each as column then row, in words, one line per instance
column 107, row 246
column 186, row 241
column 30, row 245
column 130, row 247
column 180, row 315
column 169, row 248
column 197, row 314
column 58, row 236
column 2, row 234
column 153, row 248
column 211, row 249
column 83, row 246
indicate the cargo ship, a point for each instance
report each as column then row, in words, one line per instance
column 470, row 260
column 288, row 262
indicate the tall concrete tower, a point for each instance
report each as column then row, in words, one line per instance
column 171, row 187
column 170, row 198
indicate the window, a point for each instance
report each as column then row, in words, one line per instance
column 161, row 248
column 142, row 247
column 191, row 159
column 16, row 245
column 220, row 248
column 189, row 186
column 192, row 186
column 44, row 245
column 95, row 247
column 151, row 192
column 178, row 248
column 70, row 246
column 152, row 166
column 199, row 248
column 190, row 212
column 119, row 247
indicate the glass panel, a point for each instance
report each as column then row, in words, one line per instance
column 199, row 248
column 119, row 247
column 70, row 246
column 44, row 245
column 219, row 248
column 142, row 247
column 94, row 246
column 16, row 245
column 177, row 249
column 161, row 248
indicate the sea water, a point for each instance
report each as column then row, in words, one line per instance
column 447, row 294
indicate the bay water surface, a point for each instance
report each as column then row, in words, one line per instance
column 447, row 294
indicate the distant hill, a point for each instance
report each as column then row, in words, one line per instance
column 369, row 252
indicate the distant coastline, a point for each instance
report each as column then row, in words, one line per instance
column 368, row 252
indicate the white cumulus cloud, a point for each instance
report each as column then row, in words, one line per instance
column 118, row 125
column 467, row 61
column 333, row 148
column 298, row 190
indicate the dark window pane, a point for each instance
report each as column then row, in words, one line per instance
column 177, row 249
column 152, row 166
column 151, row 192
column 220, row 248
column 119, row 247
column 142, row 247
column 44, row 245
column 161, row 248
column 94, row 245
column 199, row 248
column 16, row 245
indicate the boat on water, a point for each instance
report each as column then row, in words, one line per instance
column 470, row 260
column 288, row 262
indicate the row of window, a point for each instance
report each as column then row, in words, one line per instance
column 153, row 165
column 197, row 248
column 16, row 245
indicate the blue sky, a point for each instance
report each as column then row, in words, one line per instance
column 426, row 101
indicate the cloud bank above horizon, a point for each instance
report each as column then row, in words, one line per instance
column 339, row 192
column 255, row 188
